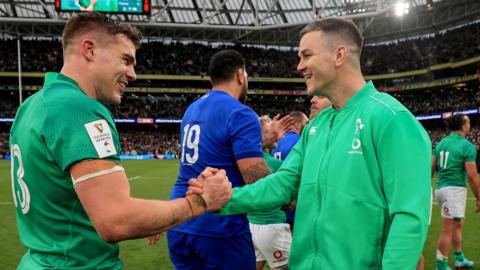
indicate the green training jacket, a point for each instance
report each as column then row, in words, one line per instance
column 362, row 175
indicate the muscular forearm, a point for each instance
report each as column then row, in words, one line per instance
column 253, row 169
column 138, row 218
column 255, row 173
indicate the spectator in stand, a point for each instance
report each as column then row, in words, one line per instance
column 192, row 58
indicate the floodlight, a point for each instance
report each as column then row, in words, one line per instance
column 401, row 8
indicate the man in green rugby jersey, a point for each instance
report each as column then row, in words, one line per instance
column 71, row 194
column 361, row 168
column 455, row 161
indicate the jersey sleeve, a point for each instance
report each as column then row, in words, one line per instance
column 74, row 133
column 245, row 134
column 470, row 153
column 272, row 191
column 404, row 154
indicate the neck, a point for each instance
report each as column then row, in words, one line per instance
column 79, row 75
column 460, row 132
column 345, row 88
column 228, row 88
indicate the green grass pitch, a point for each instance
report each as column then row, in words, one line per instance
column 153, row 179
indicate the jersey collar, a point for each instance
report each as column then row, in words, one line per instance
column 364, row 92
column 53, row 77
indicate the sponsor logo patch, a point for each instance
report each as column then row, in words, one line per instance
column 277, row 254
column 101, row 137
column 356, row 143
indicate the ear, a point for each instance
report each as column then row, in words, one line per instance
column 340, row 55
column 240, row 77
column 87, row 49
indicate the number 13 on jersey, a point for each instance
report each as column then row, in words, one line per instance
column 21, row 194
column 191, row 138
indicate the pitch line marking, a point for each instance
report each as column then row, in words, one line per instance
column 134, row 178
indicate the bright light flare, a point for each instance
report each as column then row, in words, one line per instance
column 402, row 8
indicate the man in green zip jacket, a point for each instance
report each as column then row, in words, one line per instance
column 361, row 168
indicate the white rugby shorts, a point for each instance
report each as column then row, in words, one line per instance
column 272, row 243
column 452, row 201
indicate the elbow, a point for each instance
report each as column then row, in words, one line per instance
column 112, row 232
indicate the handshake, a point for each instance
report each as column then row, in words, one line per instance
column 213, row 186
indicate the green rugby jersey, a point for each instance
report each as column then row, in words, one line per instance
column 276, row 215
column 362, row 175
column 53, row 129
column 452, row 152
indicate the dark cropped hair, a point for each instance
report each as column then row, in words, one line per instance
column 224, row 64
column 455, row 122
column 341, row 28
column 85, row 21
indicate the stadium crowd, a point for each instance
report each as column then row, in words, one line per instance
column 150, row 142
column 437, row 134
column 132, row 141
column 167, row 140
column 426, row 102
column 422, row 102
column 4, row 148
column 149, row 106
column 192, row 58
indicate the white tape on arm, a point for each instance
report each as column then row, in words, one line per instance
column 82, row 178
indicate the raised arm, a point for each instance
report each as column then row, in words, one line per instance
column 103, row 189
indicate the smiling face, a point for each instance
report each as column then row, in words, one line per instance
column 317, row 62
column 113, row 68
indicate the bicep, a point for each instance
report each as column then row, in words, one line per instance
column 253, row 169
column 102, row 187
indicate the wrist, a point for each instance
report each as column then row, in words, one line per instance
column 196, row 204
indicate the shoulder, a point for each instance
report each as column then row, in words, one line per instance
column 383, row 110
column 385, row 105
column 67, row 108
column 239, row 111
column 468, row 146
column 64, row 99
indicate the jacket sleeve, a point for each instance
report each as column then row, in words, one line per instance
column 272, row 191
column 404, row 152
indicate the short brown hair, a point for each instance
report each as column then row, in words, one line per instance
column 84, row 21
column 342, row 28
column 298, row 116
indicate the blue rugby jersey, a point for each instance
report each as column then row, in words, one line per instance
column 284, row 145
column 216, row 131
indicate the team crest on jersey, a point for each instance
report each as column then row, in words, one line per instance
column 356, row 142
column 313, row 131
column 358, row 125
column 99, row 127
column 101, row 138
